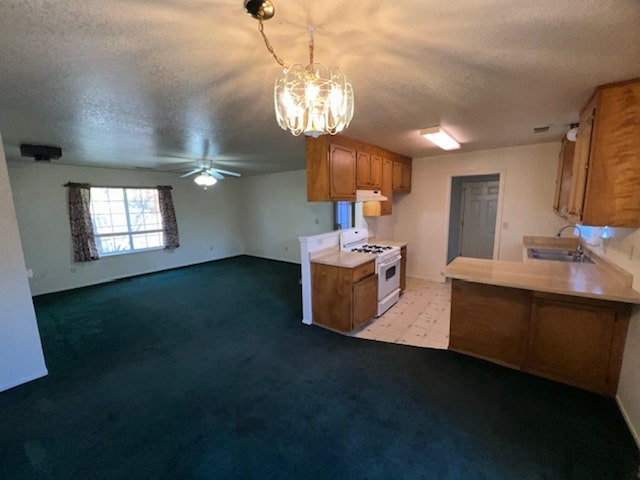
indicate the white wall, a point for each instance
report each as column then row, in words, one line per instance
column 275, row 212
column 528, row 184
column 208, row 222
column 624, row 249
column 21, row 357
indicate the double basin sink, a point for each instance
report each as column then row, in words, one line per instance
column 558, row 255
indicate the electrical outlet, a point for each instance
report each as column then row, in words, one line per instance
column 317, row 221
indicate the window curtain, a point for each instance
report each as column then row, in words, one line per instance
column 169, row 223
column 82, row 238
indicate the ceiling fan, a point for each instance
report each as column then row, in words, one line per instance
column 208, row 174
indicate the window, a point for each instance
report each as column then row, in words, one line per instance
column 126, row 219
column 343, row 215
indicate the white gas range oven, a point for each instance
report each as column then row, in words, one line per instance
column 387, row 264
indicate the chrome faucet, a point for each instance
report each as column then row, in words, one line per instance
column 579, row 250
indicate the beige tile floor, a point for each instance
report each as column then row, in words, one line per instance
column 420, row 318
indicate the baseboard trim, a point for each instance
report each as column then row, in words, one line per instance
column 23, row 380
column 137, row 274
column 627, row 420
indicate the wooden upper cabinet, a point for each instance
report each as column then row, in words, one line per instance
column 337, row 166
column 363, row 170
column 564, row 178
column 387, row 186
column 402, row 175
column 331, row 171
column 342, row 173
column 606, row 174
column 376, row 171
column 368, row 171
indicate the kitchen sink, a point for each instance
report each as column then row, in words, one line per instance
column 557, row 255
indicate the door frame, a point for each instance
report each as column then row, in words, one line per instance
column 477, row 173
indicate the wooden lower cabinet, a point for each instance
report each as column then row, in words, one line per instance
column 574, row 340
column 577, row 341
column 342, row 298
column 365, row 300
column 403, row 269
column 490, row 322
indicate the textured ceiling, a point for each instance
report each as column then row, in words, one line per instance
column 142, row 83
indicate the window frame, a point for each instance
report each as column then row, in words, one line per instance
column 129, row 233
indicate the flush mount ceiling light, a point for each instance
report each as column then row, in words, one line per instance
column 313, row 99
column 439, row 137
column 205, row 180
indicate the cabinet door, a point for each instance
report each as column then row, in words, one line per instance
column 342, row 173
column 613, row 184
column 563, row 180
column 363, row 170
column 403, row 269
column 331, row 296
column 365, row 300
column 376, row 171
column 406, row 177
column 397, row 176
column 490, row 322
column 571, row 343
column 387, row 186
column 581, row 166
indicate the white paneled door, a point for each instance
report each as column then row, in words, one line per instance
column 479, row 209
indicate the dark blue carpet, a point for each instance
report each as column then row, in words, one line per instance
column 207, row 372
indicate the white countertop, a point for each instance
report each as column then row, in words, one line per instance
column 333, row 256
column 338, row 258
column 596, row 280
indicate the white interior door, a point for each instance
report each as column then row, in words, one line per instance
column 478, row 224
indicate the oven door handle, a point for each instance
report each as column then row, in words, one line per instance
column 389, row 262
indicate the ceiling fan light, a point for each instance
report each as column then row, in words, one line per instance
column 440, row 138
column 205, row 180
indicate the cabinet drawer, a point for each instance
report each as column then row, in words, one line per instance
column 363, row 271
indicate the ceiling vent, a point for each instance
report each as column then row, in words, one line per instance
column 40, row 153
column 541, row 129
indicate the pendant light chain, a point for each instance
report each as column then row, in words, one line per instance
column 275, row 56
column 313, row 100
column 311, row 47
column 268, row 44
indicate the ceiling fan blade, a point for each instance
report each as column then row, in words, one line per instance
column 191, row 172
column 227, row 172
column 215, row 174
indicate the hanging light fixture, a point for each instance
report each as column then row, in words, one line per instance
column 312, row 99
column 205, row 180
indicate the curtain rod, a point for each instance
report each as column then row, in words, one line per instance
column 68, row 184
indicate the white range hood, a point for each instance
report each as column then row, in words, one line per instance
column 369, row 196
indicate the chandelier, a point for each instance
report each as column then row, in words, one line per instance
column 312, row 99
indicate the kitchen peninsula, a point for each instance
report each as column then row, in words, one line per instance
column 560, row 320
